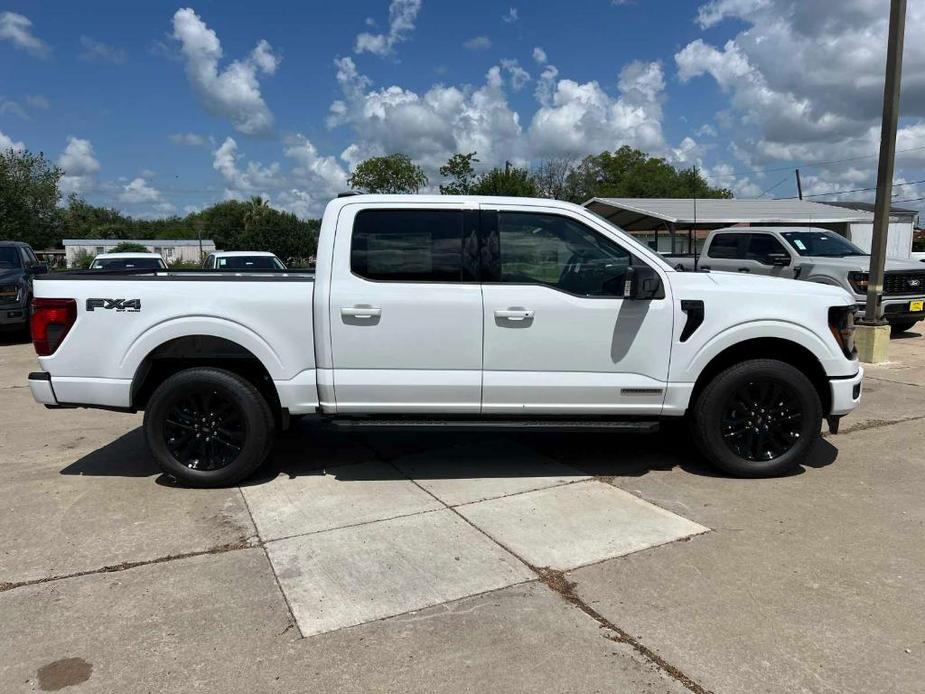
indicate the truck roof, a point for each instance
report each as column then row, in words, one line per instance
column 239, row 254
column 127, row 254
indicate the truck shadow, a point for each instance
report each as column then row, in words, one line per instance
column 310, row 450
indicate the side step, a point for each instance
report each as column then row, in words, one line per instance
column 590, row 425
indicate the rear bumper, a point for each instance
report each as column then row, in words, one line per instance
column 40, row 385
column 846, row 393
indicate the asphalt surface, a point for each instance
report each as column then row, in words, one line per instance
column 445, row 563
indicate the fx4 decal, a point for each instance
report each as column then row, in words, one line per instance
column 120, row 305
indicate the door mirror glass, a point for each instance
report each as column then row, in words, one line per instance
column 643, row 284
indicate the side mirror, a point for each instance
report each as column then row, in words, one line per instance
column 38, row 268
column 778, row 259
column 642, row 283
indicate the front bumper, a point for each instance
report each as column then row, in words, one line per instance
column 895, row 310
column 846, row 393
column 13, row 314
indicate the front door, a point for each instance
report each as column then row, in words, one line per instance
column 559, row 337
column 406, row 310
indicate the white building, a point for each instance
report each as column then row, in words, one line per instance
column 171, row 250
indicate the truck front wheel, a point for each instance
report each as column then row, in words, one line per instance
column 757, row 418
column 208, row 427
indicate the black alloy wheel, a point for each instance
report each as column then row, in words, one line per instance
column 762, row 420
column 205, row 430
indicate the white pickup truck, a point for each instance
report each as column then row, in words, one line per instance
column 440, row 311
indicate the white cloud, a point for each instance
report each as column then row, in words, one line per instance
column 234, row 92
column 324, row 175
column 79, row 165
column 402, row 16
column 511, row 16
column 7, row 106
column 139, row 191
column 7, row 143
column 477, row 43
column 240, row 183
column 18, row 30
column 577, row 119
column 189, row 139
column 519, row 76
column 539, row 55
column 97, row 50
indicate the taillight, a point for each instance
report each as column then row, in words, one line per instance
column 841, row 323
column 51, row 321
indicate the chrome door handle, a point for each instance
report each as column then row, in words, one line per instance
column 361, row 312
column 514, row 314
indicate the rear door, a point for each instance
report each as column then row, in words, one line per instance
column 559, row 337
column 406, row 309
column 726, row 252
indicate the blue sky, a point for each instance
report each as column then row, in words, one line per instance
column 157, row 108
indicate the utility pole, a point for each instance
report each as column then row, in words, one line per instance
column 874, row 348
column 799, row 185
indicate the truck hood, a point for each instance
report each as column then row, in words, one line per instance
column 860, row 263
column 10, row 275
column 778, row 286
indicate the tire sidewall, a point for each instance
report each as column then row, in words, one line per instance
column 254, row 412
column 714, row 401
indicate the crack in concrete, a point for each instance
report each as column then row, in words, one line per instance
column 874, row 424
column 126, row 565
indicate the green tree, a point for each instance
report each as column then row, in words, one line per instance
column 550, row 176
column 631, row 173
column 128, row 247
column 258, row 209
column 461, row 174
column 28, row 198
column 510, row 181
column 395, row 173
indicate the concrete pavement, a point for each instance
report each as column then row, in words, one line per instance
column 116, row 581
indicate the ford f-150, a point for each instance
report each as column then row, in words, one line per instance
column 444, row 311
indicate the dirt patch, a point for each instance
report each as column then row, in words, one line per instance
column 63, row 673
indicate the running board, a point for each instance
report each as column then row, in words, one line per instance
column 616, row 426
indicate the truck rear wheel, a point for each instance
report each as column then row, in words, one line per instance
column 757, row 418
column 208, row 427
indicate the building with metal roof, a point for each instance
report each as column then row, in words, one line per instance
column 679, row 225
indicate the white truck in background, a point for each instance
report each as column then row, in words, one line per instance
column 813, row 255
column 444, row 311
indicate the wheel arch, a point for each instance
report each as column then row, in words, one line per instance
column 779, row 349
column 189, row 351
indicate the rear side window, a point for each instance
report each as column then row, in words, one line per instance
column 408, row 245
column 726, row 246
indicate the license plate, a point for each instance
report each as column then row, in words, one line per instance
column 917, row 305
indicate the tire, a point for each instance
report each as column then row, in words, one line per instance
column 208, row 427
column 901, row 327
column 744, row 399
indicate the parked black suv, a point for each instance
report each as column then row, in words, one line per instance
column 18, row 265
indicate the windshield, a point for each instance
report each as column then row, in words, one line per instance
column 9, row 257
column 826, row 244
column 127, row 264
column 250, row 262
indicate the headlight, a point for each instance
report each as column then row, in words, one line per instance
column 9, row 293
column 859, row 281
column 841, row 323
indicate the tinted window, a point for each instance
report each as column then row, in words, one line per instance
column 725, row 246
column 250, row 262
column 760, row 246
column 560, row 252
column 408, row 245
column 127, row 264
column 9, row 257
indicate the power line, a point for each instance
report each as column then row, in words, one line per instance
column 810, row 165
column 785, row 178
column 855, row 190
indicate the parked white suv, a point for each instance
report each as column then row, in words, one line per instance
column 444, row 311
column 128, row 261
